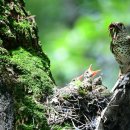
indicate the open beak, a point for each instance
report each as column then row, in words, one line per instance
column 80, row 77
column 93, row 73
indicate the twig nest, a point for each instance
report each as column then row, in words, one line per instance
column 80, row 102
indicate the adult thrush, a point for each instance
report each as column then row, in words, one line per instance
column 120, row 46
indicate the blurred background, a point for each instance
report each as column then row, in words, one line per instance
column 74, row 34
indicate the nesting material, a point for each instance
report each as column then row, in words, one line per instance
column 80, row 103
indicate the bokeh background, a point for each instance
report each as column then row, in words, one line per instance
column 74, row 34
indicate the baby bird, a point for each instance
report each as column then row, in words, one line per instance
column 88, row 76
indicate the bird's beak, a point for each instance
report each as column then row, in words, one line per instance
column 80, row 77
column 90, row 68
column 94, row 73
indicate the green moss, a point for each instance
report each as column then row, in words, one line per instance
column 1, row 42
column 3, row 52
column 36, row 76
column 21, row 25
column 33, row 86
column 82, row 91
column 66, row 96
column 24, row 68
column 4, row 57
column 18, row 29
column 17, row 26
column 7, row 32
column 78, row 83
column 29, row 85
column 25, row 127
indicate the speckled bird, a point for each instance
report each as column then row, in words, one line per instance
column 120, row 46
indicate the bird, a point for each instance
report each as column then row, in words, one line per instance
column 86, row 77
column 120, row 46
column 89, row 73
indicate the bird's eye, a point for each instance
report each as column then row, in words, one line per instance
column 86, row 72
column 120, row 24
column 111, row 25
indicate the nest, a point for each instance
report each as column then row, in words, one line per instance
column 80, row 104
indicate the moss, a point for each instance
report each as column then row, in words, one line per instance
column 22, row 25
column 78, row 83
column 7, row 32
column 24, row 67
column 4, row 57
column 16, row 23
column 66, row 96
column 34, row 66
column 29, row 85
column 82, row 92
column 18, row 29
column 3, row 52
column 34, row 86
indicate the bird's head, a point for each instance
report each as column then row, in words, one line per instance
column 90, row 73
column 115, row 29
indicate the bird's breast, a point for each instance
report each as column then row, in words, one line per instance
column 121, row 52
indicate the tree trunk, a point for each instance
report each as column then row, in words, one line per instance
column 25, row 77
column 116, row 116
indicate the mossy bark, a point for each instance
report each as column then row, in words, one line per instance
column 24, row 68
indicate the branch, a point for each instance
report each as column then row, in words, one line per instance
column 116, row 116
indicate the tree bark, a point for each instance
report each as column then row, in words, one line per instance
column 25, row 77
column 116, row 116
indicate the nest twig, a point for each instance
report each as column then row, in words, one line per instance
column 80, row 103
